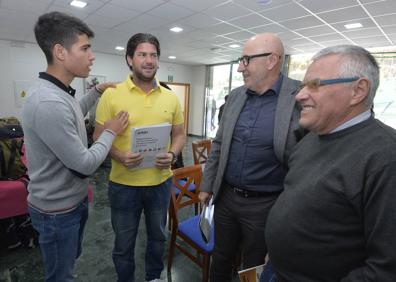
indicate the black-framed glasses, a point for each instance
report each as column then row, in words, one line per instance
column 245, row 60
column 316, row 83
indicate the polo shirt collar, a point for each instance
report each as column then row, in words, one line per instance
column 132, row 85
column 68, row 89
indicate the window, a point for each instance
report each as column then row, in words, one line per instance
column 236, row 77
column 384, row 101
column 219, row 86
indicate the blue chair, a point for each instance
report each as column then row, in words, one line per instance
column 201, row 150
column 188, row 230
column 182, row 182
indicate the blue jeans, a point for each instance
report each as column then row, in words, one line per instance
column 127, row 204
column 60, row 238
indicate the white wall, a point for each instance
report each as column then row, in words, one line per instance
column 197, row 101
column 24, row 61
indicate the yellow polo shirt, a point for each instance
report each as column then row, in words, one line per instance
column 158, row 106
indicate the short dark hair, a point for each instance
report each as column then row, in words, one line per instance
column 138, row 38
column 58, row 28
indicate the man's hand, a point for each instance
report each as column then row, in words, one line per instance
column 117, row 124
column 103, row 86
column 204, row 197
column 129, row 159
column 163, row 160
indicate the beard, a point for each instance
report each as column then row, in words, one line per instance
column 140, row 76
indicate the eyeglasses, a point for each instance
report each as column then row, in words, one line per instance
column 316, row 83
column 245, row 60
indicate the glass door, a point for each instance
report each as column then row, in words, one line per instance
column 218, row 87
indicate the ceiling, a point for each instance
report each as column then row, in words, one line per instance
column 210, row 26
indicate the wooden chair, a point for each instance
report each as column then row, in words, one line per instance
column 187, row 230
column 191, row 187
column 201, row 150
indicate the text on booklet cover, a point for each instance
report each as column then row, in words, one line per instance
column 150, row 141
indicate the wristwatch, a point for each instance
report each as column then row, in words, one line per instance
column 174, row 157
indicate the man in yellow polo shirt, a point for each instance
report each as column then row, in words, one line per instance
column 132, row 190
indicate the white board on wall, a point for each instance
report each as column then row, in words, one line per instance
column 20, row 91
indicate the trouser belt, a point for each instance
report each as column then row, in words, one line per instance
column 249, row 193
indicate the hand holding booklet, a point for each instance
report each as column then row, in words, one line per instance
column 150, row 141
column 259, row 273
column 252, row 274
column 206, row 221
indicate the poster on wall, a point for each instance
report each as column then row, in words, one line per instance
column 93, row 80
column 20, row 93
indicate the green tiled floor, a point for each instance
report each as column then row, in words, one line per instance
column 95, row 264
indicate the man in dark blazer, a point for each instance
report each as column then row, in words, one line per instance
column 247, row 164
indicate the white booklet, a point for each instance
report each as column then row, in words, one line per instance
column 150, row 141
column 206, row 220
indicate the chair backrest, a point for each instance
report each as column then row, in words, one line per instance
column 184, row 197
column 201, row 150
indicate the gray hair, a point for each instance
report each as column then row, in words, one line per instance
column 357, row 61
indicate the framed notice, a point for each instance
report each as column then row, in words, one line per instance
column 93, row 80
column 20, row 93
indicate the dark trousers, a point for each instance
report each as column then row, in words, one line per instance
column 239, row 224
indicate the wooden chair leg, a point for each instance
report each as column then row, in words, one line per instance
column 205, row 268
column 169, row 218
column 171, row 249
column 197, row 208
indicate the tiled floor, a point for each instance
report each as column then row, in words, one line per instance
column 95, row 264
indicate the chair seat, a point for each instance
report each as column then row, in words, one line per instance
column 190, row 228
column 13, row 198
column 190, row 187
column 187, row 231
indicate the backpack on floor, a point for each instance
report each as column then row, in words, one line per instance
column 11, row 141
column 17, row 232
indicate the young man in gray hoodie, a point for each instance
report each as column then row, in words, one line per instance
column 59, row 161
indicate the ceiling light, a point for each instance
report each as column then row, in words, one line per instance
column 264, row 2
column 176, row 29
column 353, row 25
column 78, row 4
column 172, row 57
column 234, row 46
column 120, row 48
